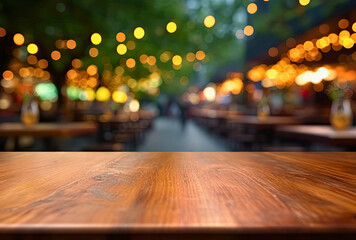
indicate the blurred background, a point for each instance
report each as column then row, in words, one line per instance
column 169, row 75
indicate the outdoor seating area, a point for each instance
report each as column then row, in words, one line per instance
column 178, row 120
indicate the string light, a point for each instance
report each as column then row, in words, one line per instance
column 177, row 60
column 96, row 38
column 209, row 21
column 121, row 49
column 252, row 8
column 304, row 2
column 171, row 27
column 139, row 32
column 19, row 39
column 32, row 48
column 55, row 55
column 248, row 30
column 120, row 37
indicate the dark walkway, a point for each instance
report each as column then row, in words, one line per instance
column 167, row 135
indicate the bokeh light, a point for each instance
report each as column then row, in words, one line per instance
column 130, row 63
column 19, row 39
column 139, row 32
column 92, row 70
column 93, row 52
column 96, row 38
column 177, row 60
column 120, row 37
column 121, row 49
column 103, row 94
column 119, row 96
column 55, row 55
column 209, row 21
column 134, row 105
column 248, row 30
column 252, row 8
column 71, row 44
column 171, row 27
column 32, row 48
column 304, row 2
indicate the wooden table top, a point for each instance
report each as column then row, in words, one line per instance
column 323, row 133
column 225, row 193
column 47, row 130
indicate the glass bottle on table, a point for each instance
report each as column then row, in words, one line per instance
column 263, row 110
column 341, row 114
column 29, row 110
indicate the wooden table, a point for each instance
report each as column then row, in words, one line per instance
column 254, row 132
column 48, row 131
column 324, row 134
column 177, row 195
column 270, row 123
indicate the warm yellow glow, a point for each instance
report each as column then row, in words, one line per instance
column 43, row 63
column 32, row 48
column 72, row 74
column 92, row 70
column 200, row 55
column 304, row 2
column 120, row 37
column 96, row 38
column 89, row 94
column 348, row 43
column 24, row 72
column 130, row 63
column 171, row 27
column 354, row 27
column 143, row 58
column 19, row 39
column 71, row 44
column 248, row 30
column 177, row 60
column 190, row 57
column 76, row 63
column 151, row 60
column 308, row 45
column 93, row 52
column 209, row 21
column 333, row 38
column 134, row 106
column 119, row 97
column 252, row 8
column 55, row 55
column 7, row 75
column 121, row 49
column 209, row 93
column 139, row 32
column 103, row 94
column 272, row 73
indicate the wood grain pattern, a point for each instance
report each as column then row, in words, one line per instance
column 178, row 193
column 47, row 130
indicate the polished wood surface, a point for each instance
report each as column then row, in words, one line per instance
column 46, row 130
column 219, row 194
column 320, row 133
